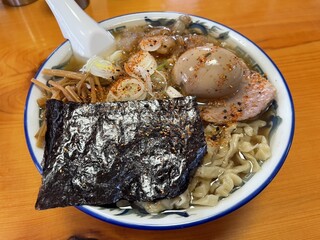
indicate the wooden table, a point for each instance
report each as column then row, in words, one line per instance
column 289, row 208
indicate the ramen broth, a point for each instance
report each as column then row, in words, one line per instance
column 236, row 149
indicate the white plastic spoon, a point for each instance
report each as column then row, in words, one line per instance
column 87, row 38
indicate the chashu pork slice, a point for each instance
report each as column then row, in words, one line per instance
column 254, row 95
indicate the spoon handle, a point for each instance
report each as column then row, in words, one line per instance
column 87, row 38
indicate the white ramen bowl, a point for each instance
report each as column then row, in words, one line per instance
column 280, row 140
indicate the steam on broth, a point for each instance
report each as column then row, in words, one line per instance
column 181, row 59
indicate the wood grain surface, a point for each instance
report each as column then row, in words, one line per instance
column 289, row 208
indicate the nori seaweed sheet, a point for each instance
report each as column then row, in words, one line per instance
column 98, row 154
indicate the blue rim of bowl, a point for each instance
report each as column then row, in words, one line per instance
column 197, row 222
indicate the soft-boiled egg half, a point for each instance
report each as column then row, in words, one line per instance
column 209, row 72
